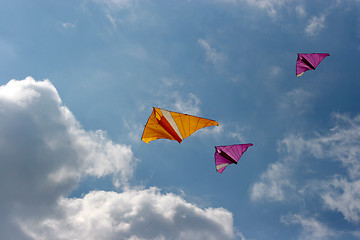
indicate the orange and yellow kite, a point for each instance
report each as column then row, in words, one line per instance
column 173, row 125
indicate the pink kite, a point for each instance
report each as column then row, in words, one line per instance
column 308, row 61
column 225, row 155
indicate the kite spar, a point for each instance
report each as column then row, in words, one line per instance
column 308, row 61
column 226, row 155
column 173, row 125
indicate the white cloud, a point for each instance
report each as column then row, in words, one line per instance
column 34, row 120
column 32, row 111
column 315, row 25
column 312, row 228
column 211, row 54
column 143, row 214
column 43, row 154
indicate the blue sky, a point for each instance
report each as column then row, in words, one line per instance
column 78, row 83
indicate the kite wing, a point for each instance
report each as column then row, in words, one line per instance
column 173, row 125
column 308, row 61
column 225, row 155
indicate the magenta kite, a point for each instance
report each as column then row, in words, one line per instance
column 308, row 61
column 226, row 155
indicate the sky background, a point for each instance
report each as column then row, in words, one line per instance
column 79, row 80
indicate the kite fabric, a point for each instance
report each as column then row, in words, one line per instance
column 173, row 125
column 225, row 155
column 308, row 61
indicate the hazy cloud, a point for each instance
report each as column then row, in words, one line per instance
column 190, row 105
column 238, row 133
column 269, row 5
column 340, row 144
column 112, row 20
column 116, row 4
column 7, row 49
column 300, row 10
column 343, row 196
column 67, row 25
column 312, row 229
column 273, row 184
column 296, row 101
column 315, row 25
column 212, row 55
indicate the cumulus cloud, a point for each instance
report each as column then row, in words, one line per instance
column 44, row 152
column 134, row 214
column 315, row 25
column 38, row 130
column 35, row 121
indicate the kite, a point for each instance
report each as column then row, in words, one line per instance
column 225, row 155
column 173, row 125
column 308, row 61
